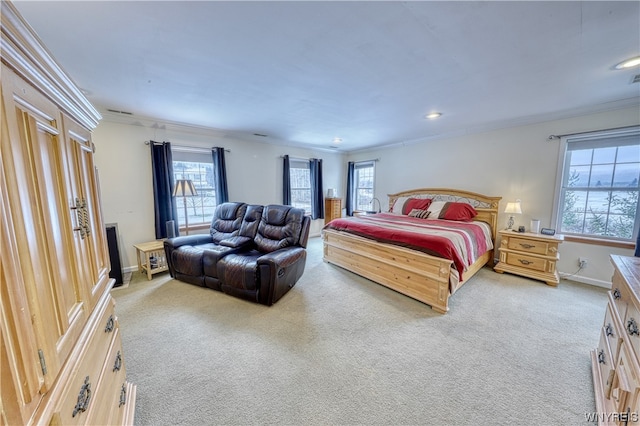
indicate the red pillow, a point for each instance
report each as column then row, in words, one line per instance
column 416, row 203
column 458, row 211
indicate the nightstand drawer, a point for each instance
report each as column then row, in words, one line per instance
column 531, row 246
column 528, row 262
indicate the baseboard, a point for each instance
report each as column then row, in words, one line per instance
column 130, row 268
column 585, row 280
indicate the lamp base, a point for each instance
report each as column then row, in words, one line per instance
column 510, row 223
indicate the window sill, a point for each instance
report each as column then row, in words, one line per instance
column 599, row 242
column 198, row 227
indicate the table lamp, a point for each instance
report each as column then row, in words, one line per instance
column 512, row 208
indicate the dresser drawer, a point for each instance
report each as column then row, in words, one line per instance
column 80, row 395
column 631, row 326
column 528, row 262
column 530, row 246
column 626, row 384
column 611, row 331
column 605, row 362
column 109, row 386
column 620, row 295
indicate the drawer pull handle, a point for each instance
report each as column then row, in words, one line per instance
column 83, row 397
column 118, row 364
column 608, row 331
column 109, row 327
column 525, row 262
column 527, row 246
column 616, row 294
column 123, row 396
column 632, row 327
column 601, row 357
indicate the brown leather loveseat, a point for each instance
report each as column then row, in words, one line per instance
column 253, row 252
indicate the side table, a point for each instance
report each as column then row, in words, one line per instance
column 151, row 257
column 530, row 255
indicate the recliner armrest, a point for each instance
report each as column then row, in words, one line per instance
column 279, row 271
column 283, row 257
column 188, row 240
column 236, row 242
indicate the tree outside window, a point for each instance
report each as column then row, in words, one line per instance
column 300, row 178
column 200, row 208
column 599, row 189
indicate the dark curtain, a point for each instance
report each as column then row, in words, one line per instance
column 164, row 203
column 637, row 253
column 286, row 182
column 317, row 196
column 351, row 167
column 220, row 175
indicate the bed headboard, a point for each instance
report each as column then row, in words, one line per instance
column 487, row 207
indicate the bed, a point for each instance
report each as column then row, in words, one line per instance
column 383, row 248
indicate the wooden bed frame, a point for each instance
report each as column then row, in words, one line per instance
column 415, row 274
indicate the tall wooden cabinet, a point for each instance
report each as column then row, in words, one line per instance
column 332, row 209
column 61, row 358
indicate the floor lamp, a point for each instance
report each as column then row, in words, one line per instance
column 184, row 188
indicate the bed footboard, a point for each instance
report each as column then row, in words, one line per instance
column 412, row 273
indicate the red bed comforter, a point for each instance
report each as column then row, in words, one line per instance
column 460, row 242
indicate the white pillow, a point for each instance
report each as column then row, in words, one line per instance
column 398, row 205
column 435, row 208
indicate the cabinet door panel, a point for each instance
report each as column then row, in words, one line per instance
column 90, row 242
column 41, row 220
column 22, row 376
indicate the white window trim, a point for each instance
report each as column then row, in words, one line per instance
column 292, row 163
column 555, row 216
column 364, row 164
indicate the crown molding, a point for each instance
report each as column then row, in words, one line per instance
column 24, row 52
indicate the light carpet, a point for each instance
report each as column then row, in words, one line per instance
column 341, row 350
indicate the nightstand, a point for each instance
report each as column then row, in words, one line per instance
column 151, row 257
column 530, row 255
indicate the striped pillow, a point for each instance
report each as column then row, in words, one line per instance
column 422, row 214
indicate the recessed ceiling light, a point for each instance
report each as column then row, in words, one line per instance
column 433, row 115
column 633, row 62
column 337, row 140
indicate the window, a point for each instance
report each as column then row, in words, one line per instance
column 300, row 177
column 598, row 193
column 364, row 173
column 198, row 167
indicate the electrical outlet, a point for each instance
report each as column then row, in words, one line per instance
column 582, row 262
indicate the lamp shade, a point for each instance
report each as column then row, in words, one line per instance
column 184, row 188
column 513, row 208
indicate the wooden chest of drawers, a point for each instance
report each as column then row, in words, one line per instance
column 530, row 255
column 615, row 367
column 332, row 209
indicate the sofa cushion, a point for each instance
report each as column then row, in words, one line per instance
column 251, row 221
column 240, row 270
column 188, row 260
column 279, row 227
column 227, row 219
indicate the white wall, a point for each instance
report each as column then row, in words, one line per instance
column 517, row 162
column 254, row 173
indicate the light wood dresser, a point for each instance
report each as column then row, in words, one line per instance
column 332, row 209
column 615, row 368
column 61, row 357
column 530, row 255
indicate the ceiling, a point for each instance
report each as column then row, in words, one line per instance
column 306, row 72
